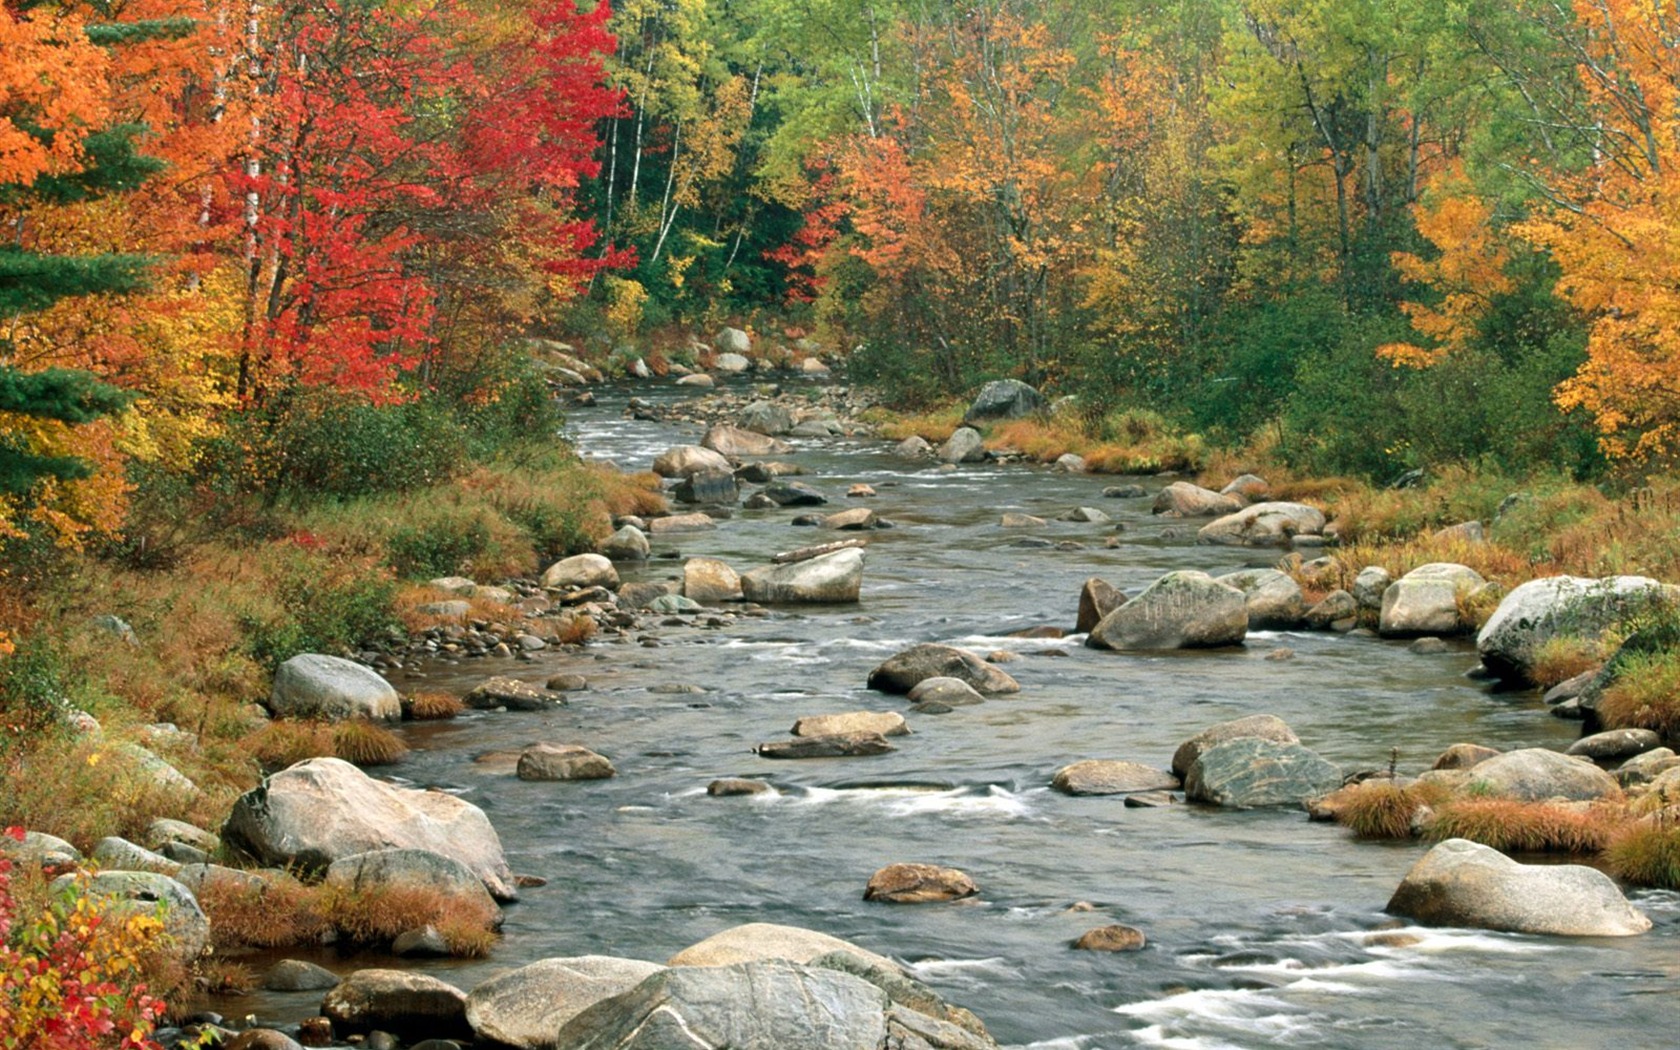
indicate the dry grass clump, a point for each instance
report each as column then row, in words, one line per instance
column 1646, row 853
column 273, row 913
column 1382, row 809
column 935, row 425
column 1560, row 658
column 376, row 915
column 1509, row 825
column 366, row 744
column 431, row 707
column 1645, row 694
column 224, row 977
column 575, row 630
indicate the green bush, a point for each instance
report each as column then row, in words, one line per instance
column 440, row 546
column 323, row 607
column 33, row 683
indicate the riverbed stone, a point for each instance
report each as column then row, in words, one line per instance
column 794, row 494
column 695, row 522
column 1181, row 610
column 581, row 571
column 838, row 745
column 732, row 441
column 627, row 544
column 766, row 417
column 1273, row 599
column 298, row 975
column 407, row 1004
column 1097, row 598
column 963, row 446
column 1615, row 745
column 1554, row 606
column 683, row 460
column 1181, row 499
column 511, row 693
column 1369, row 586
column 1070, row 463
column 918, row 884
column 901, row 672
column 310, row 814
column 1250, row 772
column 1425, row 601
column 1004, row 399
column 1464, row 756
column 826, row 578
column 563, row 762
column 1097, row 776
column 1014, row 519
column 1113, row 938
column 1336, row 611
column 715, row 488
column 886, row 723
column 1534, row 774
column 314, row 685
column 114, row 853
column 40, row 851
column 766, row 471
column 1085, row 516
column 913, row 447
column 757, row 941
column 1263, row 525
column 851, row 520
column 1463, row 883
column 1265, row 727
column 710, row 580
column 525, row 1008
column 943, row 690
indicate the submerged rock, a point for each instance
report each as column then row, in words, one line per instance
column 563, row 762
column 1463, row 883
column 837, row 745
column 1096, row 776
column 918, row 884
column 886, row 723
column 1250, row 772
column 901, row 672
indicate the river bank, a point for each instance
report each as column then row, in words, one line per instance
column 655, row 864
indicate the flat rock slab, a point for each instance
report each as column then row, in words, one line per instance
column 886, row 723
column 1534, row 774
column 406, row 1004
column 836, row 577
column 563, row 762
column 844, row 745
column 511, row 693
column 695, row 522
column 526, row 1007
column 1462, row 883
column 1250, row 772
column 1098, row 776
column 918, row 884
column 807, row 553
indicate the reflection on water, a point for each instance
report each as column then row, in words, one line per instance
column 1259, row 924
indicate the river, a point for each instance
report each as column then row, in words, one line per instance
column 1259, row 923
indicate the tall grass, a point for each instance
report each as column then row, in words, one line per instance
column 1645, row 694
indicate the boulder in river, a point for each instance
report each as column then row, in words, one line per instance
column 833, row 577
column 886, row 723
column 1263, row 525
column 716, row 488
column 1098, row 776
column 627, row 544
column 837, row 745
column 757, row 941
column 851, row 520
column 963, row 446
column 1181, row 499
column 1558, row 606
column 1336, row 611
column 512, row 694
column 1097, row 599
column 1273, row 599
column 1463, row 883
column 563, row 762
column 1181, row 610
column 1426, row 600
column 794, row 494
column 950, row 692
column 1534, row 774
column 766, row 417
column 733, row 441
column 683, row 460
column 918, row 884
column 1250, row 772
column 695, row 522
column 581, row 571
column 411, row 1005
column 311, row 814
column 1004, row 399
column 913, row 447
column 313, row 685
column 409, row 867
column 525, row 1008
column 1115, row 938
column 901, row 672
column 1265, row 727
column 710, row 580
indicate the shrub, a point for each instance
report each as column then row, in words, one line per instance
column 274, row 913
column 440, row 546
column 366, row 744
column 1510, row 825
column 1561, row 658
column 1382, row 809
column 1646, row 853
column 426, row 707
column 73, row 976
column 1645, row 693
column 32, row 692
column 324, row 605
column 377, row 914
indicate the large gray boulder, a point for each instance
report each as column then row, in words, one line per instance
column 712, row 487
column 1184, row 500
column 1004, row 399
column 772, row 1005
column 1181, row 610
column 684, row 460
column 1250, row 772
column 1274, row 600
column 581, row 571
column 963, row 446
column 409, row 867
column 1425, row 600
column 835, row 577
column 1534, row 774
column 902, row 672
column 130, row 893
column 710, row 580
column 1263, row 525
column 1369, row 586
column 1265, row 727
column 39, row 850
column 1463, row 883
column 627, row 544
column 1567, row 606
column 732, row 341
column 411, row 1005
column 729, row 440
column 312, row 685
column 525, row 1008
column 768, row 418
column 757, row 941
column 1097, row 599
column 318, row 811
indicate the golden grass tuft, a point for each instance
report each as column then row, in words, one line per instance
column 366, row 744
column 1513, row 826
column 1560, row 658
column 1382, row 809
column 935, row 425
column 276, row 913
column 576, row 630
column 431, row 707
column 284, row 742
column 1645, row 694
column 225, row 977
column 1646, row 853
column 376, row 915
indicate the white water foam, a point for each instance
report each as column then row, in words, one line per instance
column 993, row 802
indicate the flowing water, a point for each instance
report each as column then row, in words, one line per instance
column 1259, row 923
